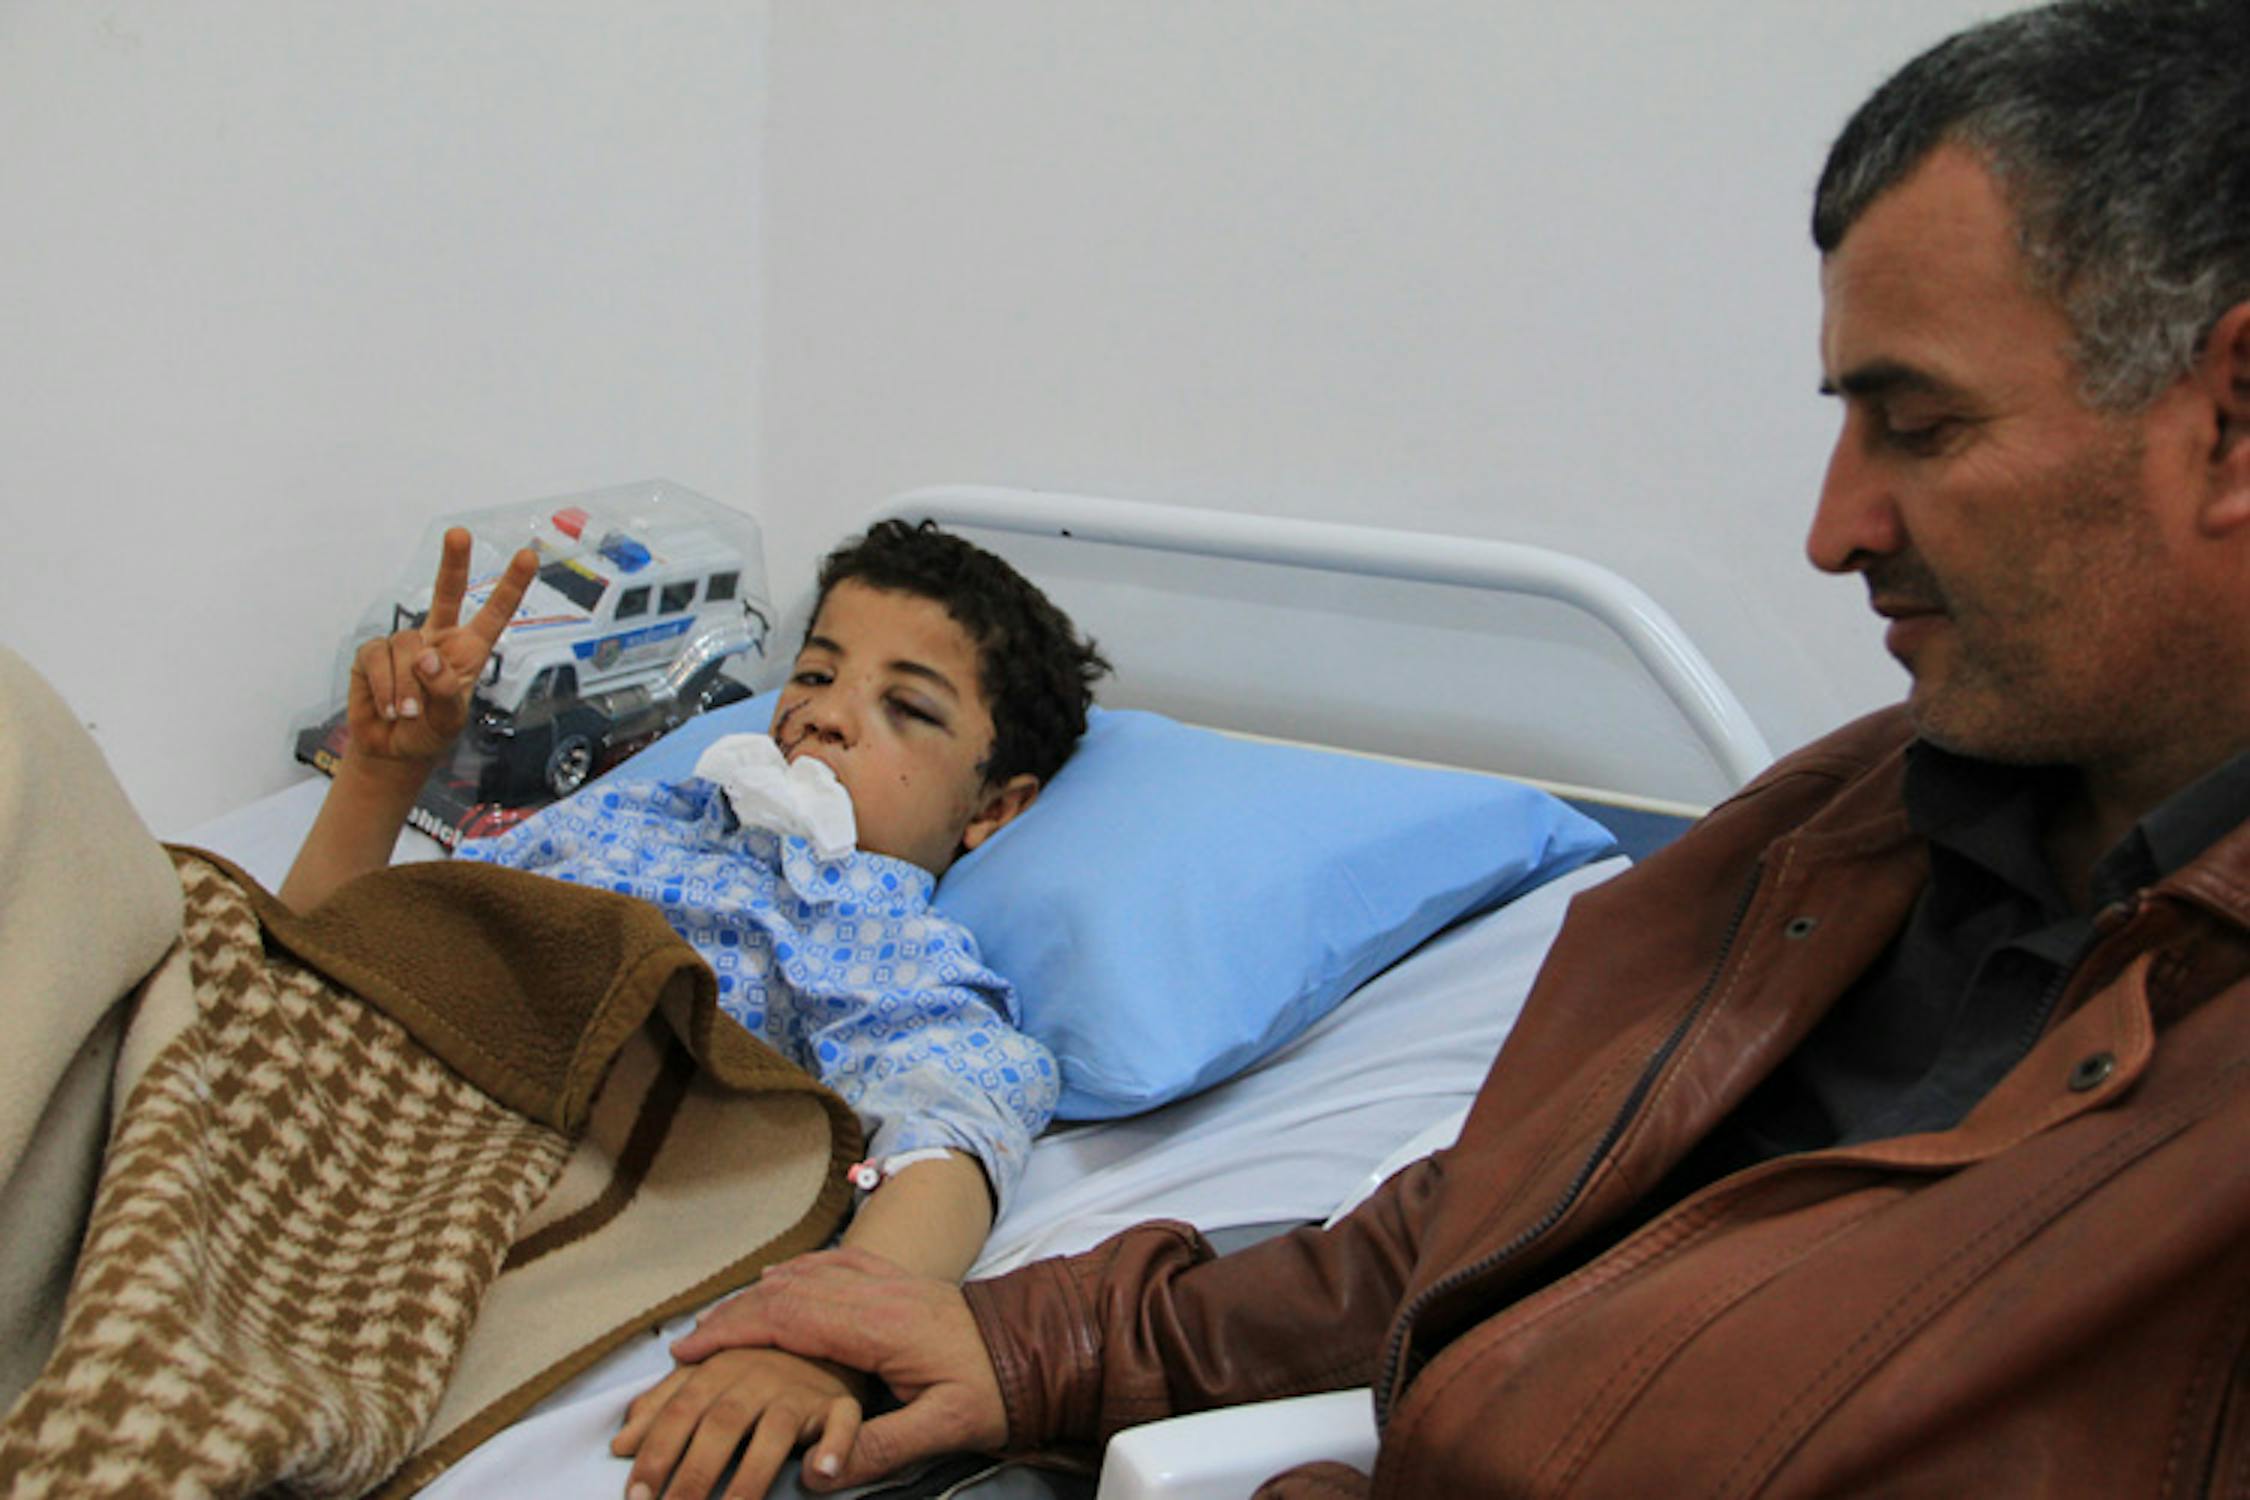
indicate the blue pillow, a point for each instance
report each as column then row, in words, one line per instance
column 1179, row 903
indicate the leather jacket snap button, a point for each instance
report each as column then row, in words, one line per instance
column 1800, row 927
column 2092, row 1072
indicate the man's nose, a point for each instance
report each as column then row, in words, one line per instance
column 1857, row 519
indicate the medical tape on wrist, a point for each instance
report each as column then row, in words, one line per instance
column 873, row 1173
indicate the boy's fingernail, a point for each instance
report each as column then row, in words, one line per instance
column 411, row 708
column 429, row 664
column 826, row 1465
column 640, row 1492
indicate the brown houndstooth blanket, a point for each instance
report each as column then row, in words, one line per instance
column 351, row 1184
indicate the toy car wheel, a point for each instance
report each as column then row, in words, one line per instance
column 568, row 764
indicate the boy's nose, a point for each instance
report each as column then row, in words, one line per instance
column 831, row 720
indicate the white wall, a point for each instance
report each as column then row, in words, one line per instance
column 281, row 279
column 1506, row 269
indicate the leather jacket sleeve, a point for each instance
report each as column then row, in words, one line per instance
column 1151, row 1323
column 1322, row 1481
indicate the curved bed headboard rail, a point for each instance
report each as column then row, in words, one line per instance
column 1654, row 637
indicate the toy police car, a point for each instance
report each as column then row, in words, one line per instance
column 648, row 607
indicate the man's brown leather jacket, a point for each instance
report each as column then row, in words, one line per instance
column 2051, row 1299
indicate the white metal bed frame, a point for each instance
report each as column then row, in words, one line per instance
column 1654, row 637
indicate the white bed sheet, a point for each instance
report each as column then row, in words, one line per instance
column 1290, row 1138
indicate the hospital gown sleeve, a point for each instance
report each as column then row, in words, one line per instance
column 940, row 1067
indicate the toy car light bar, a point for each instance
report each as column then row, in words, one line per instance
column 629, row 554
column 624, row 551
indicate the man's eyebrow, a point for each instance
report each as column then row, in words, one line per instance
column 1884, row 377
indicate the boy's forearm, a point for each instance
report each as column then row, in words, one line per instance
column 358, row 826
column 932, row 1218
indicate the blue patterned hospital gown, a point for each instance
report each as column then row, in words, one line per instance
column 838, row 964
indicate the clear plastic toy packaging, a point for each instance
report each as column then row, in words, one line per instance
column 650, row 606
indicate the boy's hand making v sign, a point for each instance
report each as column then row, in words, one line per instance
column 409, row 693
column 408, row 699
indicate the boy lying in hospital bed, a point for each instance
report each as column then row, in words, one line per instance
column 935, row 692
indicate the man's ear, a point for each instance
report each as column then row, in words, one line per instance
column 999, row 808
column 2223, row 373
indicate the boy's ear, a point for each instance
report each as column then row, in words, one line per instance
column 1000, row 807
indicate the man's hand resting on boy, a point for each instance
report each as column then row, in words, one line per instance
column 903, row 1254
column 408, row 698
column 912, row 1331
column 682, row 1431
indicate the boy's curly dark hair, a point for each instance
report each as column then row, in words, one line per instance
column 1036, row 672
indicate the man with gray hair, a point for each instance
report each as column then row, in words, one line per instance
column 1886, row 1132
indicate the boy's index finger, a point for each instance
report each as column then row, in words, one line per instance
column 452, row 582
column 507, row 595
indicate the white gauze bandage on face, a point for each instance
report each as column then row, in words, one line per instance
column 766, row 791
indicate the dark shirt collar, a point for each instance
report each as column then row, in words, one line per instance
column 2197, row 817
column 1994, row 815
column 1986, row 817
